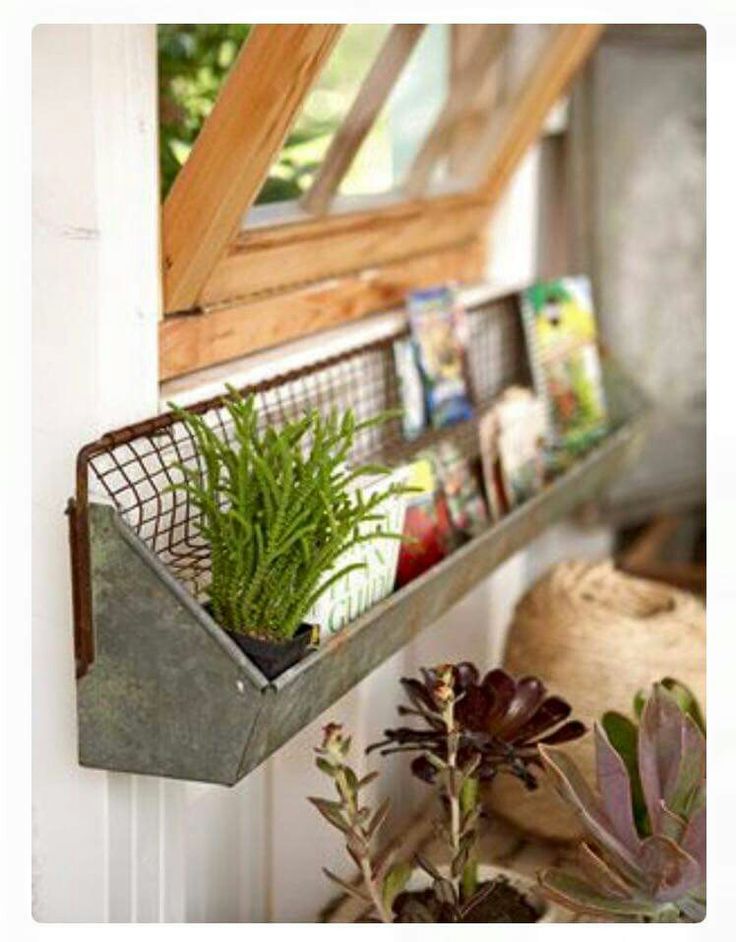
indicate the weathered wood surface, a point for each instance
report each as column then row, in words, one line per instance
column 277, row 257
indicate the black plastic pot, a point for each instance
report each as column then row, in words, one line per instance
column 274, row 657
column 271, row 657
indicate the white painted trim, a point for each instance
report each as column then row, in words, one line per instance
column 96, row 299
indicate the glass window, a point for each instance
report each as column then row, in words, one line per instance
column 194, row 60
column 387, row 153
column 324, row 110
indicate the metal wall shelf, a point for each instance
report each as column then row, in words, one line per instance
column 162, row 689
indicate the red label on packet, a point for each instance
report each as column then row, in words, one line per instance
column 427, row 526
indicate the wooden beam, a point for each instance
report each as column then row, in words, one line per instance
column 189, row 343
column 468, row 86
column 235, row 149
column 465, row 132
column 510, row 133
column 284, row 256
column 371, row 98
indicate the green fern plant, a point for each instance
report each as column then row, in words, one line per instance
column 279, row 508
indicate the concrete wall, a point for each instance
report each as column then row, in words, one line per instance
column 638, row 203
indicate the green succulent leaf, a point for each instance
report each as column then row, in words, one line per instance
column 623, row 735
column 670, row 870
column 671, row 756
column 576, row 894
column 332, row 812
column 686, row 700
column 657, row 876
column 349, row 888
column 615, row 790
column 683, row 696
column 640, row 699
column 327, row 767
column 351, row 780
column 573, row 787
column 395, row 881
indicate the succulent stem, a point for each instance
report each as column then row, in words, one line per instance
column 461, row 793
column 374, row 891
column 468, row 803
column 362, row 845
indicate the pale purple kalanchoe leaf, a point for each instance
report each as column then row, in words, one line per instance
column 615, row 791
column 660, row 877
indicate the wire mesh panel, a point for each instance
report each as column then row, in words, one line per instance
column 137, row 467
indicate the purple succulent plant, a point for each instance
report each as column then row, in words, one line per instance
column 659, row 877
column 501, row 722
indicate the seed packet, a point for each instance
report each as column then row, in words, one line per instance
column 410, row 388
column 359, row 590
column 561, row 333
column 521, row 424
column 465, row 502
column 491, row 464
column 439, row 332
column 428, row 530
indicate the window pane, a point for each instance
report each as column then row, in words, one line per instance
column 194, row 60
column 408, row 116
column 324, row 110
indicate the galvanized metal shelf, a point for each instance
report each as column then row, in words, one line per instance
column 162, row 689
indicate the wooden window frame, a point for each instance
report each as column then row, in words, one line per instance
column 231, row 291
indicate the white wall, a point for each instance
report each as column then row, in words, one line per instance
column 95, row 304
column 114, row 847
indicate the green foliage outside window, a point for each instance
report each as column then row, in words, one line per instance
column 194, row 60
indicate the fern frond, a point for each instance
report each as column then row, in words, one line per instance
column 279, row 508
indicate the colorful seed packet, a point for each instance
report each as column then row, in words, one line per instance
column 411, row 390
column 428, row 532
column 522, row 425
column 438, row 329
column 359, row 590
column 512, row 444
column 491, row 464
column 561, row 333
column 465, row 502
